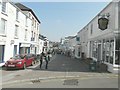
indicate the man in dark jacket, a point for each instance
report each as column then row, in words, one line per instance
column 41, row 58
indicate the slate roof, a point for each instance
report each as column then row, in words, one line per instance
column 24, row 8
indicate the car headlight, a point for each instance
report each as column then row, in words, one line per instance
column 19, row 63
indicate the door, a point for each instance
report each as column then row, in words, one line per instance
column 15, row 50
column 99, row 52
column 2, row 47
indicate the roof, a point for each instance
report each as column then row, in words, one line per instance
column 24, row 8
column 70, row 37
column 42, row 37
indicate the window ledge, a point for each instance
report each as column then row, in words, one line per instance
column 3, row 35
column 17, row 20
column 26, row 25
column 4, row 13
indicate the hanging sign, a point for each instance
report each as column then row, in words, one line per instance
column 103, row 23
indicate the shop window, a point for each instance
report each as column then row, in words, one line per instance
column 117, row 52
column 111, row 51
column 94, row 52
column 107, row 51
column 104, row 49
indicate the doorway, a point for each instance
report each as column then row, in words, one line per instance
column 99, row 53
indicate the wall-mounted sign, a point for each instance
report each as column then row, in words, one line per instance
column 103, row 23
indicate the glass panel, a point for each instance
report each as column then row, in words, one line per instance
column 111, row 51
column 4, row 7
column 2, row 30
column 94, row 53
column 103, row 50
column 16, row 30
column 107, row 51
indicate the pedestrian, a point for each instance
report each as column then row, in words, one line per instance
column 47, row 59
column 41, row 59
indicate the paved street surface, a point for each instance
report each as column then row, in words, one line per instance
column 62, row 72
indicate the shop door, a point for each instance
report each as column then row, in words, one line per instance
column 15, row 50
column 99, row 52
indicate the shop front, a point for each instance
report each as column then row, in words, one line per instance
column 107, row 50
column 24, row 48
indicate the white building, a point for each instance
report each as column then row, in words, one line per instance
column 34, row 28
column 68, row 45
column 15, row 31
column 103, row 45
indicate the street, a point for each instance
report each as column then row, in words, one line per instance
column 62, row 72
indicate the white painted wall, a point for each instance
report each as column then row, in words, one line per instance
column 10, row 30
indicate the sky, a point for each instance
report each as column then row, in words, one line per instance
column 62, row 19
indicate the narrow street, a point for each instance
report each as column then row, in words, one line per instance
column 62, row 72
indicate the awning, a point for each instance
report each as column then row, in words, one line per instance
column 25, row 45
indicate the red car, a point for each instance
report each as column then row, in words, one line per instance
column 20, row 61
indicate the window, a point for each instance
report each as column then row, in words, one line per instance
column 37, row 26
column 91, row 31
column 29, row 15
column 16, row 31
column 32, row 21
column 17, row 11
column 3, row 26
column 2, row 47
column 34, row 35
column 35, row 23
column 4, row 7
column 26, row 23
column 94, row 49
column 25, row 34
column 77, row 38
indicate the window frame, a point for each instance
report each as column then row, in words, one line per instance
column 5, row 27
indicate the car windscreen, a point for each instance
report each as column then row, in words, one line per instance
column 18, row 57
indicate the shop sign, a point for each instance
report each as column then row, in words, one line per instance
column 103, row 23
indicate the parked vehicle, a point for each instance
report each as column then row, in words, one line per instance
column 20, row 61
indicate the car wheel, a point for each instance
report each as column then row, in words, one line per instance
column 24, row 66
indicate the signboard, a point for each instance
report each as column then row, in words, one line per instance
column 103, row 23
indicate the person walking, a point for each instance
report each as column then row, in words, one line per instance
column 41, row 59
column 47, row 59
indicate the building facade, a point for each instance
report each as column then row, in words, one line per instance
column 103, row 45
column 35, row 25
column 15, row 31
